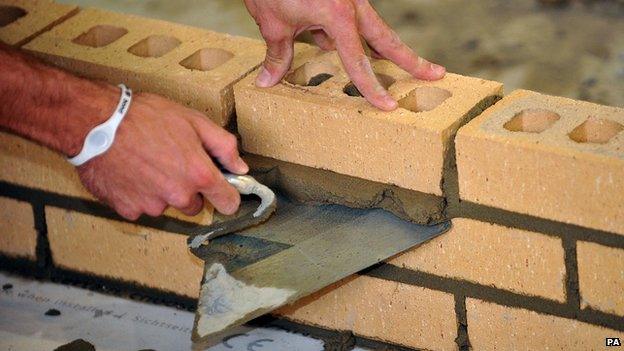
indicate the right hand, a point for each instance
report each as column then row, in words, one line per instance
column 161, row 157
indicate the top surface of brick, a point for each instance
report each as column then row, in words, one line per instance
column 20, row 20
column 318, row 123
column 193, row 66
column 546, row 156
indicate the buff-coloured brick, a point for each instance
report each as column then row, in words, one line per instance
column 496, row 327
column 22, row 20
column 18, row 237
column 384, row 310
column 193, row 66
column 512, row 259
column 601, row 277
column 31, row 165
column 315, row 123
column 123, row 251
column 546, row 156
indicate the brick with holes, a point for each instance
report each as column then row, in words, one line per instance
column 193, row 66
column 22, row 20
column 316, row 118
column 546, row 156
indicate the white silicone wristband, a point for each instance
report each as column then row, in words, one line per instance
column 101, row 138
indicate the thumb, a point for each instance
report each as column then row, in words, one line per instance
column 279, row 56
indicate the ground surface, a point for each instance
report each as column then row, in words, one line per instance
column 39, row 316
column 575, row 51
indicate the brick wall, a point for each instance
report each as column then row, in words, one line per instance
column 535, row 258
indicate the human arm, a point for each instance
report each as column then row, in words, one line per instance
column 162, row 151
column 340, row 25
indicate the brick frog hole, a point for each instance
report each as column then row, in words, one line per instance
column 312, row 74
column 154, row 46
column 100, row 36
column 207, row 59
column 424, row 99
column 10, row 14
column 532, row 120
column 596, row 130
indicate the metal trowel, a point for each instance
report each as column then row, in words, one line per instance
column 255, row 269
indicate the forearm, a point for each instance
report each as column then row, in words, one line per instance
column 48, row 105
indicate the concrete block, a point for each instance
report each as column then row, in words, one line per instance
column 548, row 157
column 316, row 123
column 601, row 277
column 22, row 20
column 18, row 237
column 512, row 259
column 496, row 327
column 31, row 165
column 192, row 66
column 384, row 310
column 123, row 251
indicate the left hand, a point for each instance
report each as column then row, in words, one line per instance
column 335, row 24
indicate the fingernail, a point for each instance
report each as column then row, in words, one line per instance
column 438, row 70
column 264, row 78
column 389, row 103
column 242, row 166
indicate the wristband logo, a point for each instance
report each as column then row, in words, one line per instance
column 124, row 103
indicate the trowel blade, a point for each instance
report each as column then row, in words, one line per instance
column 300, row 250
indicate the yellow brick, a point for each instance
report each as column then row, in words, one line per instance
column 383, row 310
column 24, row 19
column 123, row 251
column 495, row 327
column 18, row 237
column 322, row 127
column 512, row 259
column 193, row 66
column 28, row 164
column 548, row 157
column 601, row 277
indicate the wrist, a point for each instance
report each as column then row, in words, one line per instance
column 89, row 108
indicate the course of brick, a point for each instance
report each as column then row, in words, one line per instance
column 22, row 20
column 511, row 274
column 318, row 124
column 192, row 66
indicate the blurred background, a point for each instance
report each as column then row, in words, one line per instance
column 566, row 48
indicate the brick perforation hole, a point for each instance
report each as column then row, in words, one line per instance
column 532, row 120
column 154, row 46
column 596, row 130
column 100, row 36
column 312, row 74
column 424, row 99
column 207, row 59
column 10, row 14
column 385, row 80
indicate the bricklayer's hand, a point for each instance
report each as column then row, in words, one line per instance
column 161, row 157
column 335, row 24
